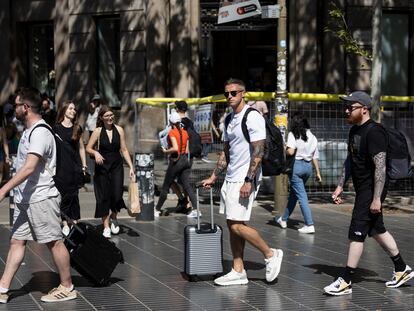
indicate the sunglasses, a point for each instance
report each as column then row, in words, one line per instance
column 351, row 108
column 232, row 93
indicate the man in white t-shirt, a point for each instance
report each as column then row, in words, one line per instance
column 243, row 162
column 37, row 211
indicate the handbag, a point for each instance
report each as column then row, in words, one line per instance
column 86, row 178
column 290, row 162
column 134, row 206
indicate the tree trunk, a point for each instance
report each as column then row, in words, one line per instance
column 376, row 61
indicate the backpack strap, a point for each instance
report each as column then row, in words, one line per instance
column 54, row 135
column 244, row 123
column 41, row 125
column 370, row 126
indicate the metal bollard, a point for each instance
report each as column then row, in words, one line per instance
column 144, row 170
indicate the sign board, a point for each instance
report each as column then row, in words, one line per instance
column 232, row 10
column 202, row 122
column 271, row 11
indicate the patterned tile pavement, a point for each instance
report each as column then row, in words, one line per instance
column 152, row 276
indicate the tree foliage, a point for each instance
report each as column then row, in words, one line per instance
column 338, row 26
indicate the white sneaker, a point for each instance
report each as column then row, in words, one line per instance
column 193, row 214
column 273, row 265
column 307, row 229
column 339, row 287
column 282, row 223
column 65, row 230
column 114, row 226
column 157, row 214
column 107, row 233
column 399, row 278
column 232, row 278
column 4, row 297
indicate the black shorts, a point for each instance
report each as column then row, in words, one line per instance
column 359, row 229
column 363, row 221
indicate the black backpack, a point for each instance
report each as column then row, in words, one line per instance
column 398, row 155
column 274, row 158
column 194, row 145
column 68, row 176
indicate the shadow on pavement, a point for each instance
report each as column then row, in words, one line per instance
column 335, row 271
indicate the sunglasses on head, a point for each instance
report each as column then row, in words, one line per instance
column 232, row 93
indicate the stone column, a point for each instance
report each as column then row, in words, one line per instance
column 62, row 49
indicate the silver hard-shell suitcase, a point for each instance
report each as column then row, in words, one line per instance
column 203, row 246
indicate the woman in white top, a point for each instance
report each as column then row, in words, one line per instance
column 303, row 145
column 94, row 108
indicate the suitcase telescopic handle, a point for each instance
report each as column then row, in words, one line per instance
column 200, row 185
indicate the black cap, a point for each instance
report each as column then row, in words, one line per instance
column 358, row 97
column 181, row 105
column 96, row 97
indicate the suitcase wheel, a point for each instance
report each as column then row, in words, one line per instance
column 192, row 278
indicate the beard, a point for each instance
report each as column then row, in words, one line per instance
column 356, row 119
column 21, row 116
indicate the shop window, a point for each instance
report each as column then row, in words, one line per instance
column 395, row 54
column 108, row 59
column 41, row 57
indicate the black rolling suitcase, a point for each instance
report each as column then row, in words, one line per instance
column 203, row 244
column 91, row 254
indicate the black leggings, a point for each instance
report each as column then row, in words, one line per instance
column 182, row 170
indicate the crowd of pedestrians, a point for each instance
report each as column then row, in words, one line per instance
column 38, row 216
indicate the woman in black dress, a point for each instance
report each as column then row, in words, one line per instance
column 106, row 144
column 68, row 128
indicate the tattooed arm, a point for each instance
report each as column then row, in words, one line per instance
column 346, row 172
column 221, row 165
column 379, row 180
column 256, row 158
column 255, row 161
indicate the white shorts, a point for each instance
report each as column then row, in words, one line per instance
column 38, row 221
column 236, row 208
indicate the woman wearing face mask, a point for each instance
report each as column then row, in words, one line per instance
column 68, row 128
column 109, row 140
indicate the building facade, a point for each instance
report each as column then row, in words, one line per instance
column 174, row 48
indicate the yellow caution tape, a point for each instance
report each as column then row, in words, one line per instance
column 266, row 96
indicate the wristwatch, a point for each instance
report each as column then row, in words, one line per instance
column 247, row 179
